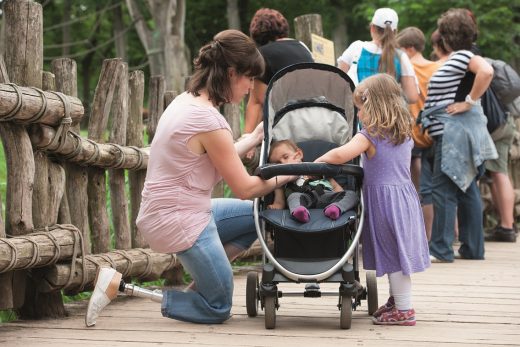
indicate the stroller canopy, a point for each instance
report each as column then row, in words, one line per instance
column 309, row 101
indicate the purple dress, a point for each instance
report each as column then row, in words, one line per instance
column 394, row 238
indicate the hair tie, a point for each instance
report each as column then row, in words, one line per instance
column 215, row 44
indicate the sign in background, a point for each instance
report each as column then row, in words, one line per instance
column 323, row 50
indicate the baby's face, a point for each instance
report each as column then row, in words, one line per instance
column 286, row 155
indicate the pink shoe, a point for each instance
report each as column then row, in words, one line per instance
column 332, row 211
column 106, row 289
column 301, row 214
column 390, row 304
column 396, row 317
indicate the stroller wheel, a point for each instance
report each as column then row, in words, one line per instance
column 252, row 297
column 270, row 312
column 345, row 320
column 371, row 292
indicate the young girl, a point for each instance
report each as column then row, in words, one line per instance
column 394, row 240
column 366, row 58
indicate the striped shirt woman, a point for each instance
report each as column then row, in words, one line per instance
column 445, row 84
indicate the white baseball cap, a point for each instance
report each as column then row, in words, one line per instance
column 384, row 16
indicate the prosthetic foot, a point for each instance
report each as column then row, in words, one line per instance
column 108, row 284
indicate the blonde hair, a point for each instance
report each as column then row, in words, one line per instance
column 385, row 109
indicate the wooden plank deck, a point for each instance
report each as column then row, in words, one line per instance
column 466, row 303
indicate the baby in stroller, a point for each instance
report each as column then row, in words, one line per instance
column 308, row 192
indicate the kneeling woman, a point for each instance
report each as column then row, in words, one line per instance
column 192, row 150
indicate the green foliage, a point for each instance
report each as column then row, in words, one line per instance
column 7, row 316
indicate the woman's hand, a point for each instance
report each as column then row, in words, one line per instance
column 458, row 107
column 258, row 133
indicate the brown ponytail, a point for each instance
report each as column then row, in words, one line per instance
column 388, row 48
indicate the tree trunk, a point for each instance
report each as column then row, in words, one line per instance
column 66, row 29
column 339, row 37
column 233, row 14
column 165, row 46
column 118, row 25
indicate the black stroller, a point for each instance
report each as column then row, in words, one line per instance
column 312, row 105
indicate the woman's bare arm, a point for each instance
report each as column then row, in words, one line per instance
column 410, row 89
column 344, row 66
column 220, row 148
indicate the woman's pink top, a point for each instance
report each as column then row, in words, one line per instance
column 176, row 199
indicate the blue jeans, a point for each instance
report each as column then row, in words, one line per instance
column 448, row 199
column 206, row 261
column 425, row 182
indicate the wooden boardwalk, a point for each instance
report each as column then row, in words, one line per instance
column 466, row 303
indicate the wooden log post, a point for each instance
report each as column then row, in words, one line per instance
column 97, row 202
column 41, row 248
column 26, row 105
column 137, row 263
column 306, row 25
column 155, row 105
column 6, row 279
column 169, row 95
column 134, row 137
column 66, row 74
column 87, row 152
column 23, row 27
column 49, row 181
column 118, row 201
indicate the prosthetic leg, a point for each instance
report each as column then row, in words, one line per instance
column 133, row 290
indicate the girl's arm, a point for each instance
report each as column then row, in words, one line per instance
column 483, row 75
column 348, row 151
column 220, row 148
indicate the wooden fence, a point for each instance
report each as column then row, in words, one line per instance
column 57, row 222
column 57, row 226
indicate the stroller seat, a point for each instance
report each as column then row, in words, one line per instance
column 282, row 220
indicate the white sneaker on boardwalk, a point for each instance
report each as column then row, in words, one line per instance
column 107, row 285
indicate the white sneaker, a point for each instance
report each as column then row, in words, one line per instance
column 107, row 285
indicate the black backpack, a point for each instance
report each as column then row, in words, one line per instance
column 506, row 81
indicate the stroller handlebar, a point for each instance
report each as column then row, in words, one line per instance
column 309, row 169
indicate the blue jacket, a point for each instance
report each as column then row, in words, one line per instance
column 466, row 143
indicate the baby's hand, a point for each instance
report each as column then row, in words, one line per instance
column 275, row 206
